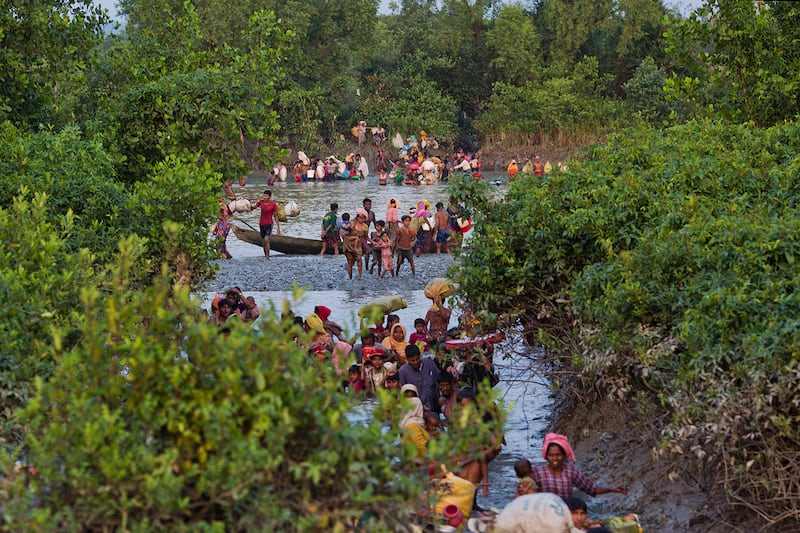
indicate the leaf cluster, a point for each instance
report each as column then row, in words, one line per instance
column 40, row 279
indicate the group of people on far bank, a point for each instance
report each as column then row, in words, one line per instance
column 537, row 167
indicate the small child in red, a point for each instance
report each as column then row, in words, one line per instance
column 420, row 335
column 355, row 383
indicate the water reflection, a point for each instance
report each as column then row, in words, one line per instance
column 525, row 395
column 315, row 198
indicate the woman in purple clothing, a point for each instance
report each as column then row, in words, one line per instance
column 559, row 476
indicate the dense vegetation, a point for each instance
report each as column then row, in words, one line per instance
column 661, row 265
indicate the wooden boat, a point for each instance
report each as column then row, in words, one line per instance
column 281, row 243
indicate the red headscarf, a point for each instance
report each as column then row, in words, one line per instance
column 323, row 312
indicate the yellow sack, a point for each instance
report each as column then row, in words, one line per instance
column 441, row 287
column 548, row 168
column 455, row 490
column 383, row 305
column 281, row 211
column 354, row 131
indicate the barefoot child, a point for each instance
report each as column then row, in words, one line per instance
column 385, row 247
column 405, row 242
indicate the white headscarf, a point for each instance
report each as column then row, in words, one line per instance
column 415, row 415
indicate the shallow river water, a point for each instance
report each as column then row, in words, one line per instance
column 270, row 282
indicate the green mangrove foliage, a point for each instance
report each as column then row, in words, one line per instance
column 665, row 264
column 738, row 59
column 41, row 279
column 77, row 175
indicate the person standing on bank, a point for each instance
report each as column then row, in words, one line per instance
column 329, row 234
column 269, row 213
column 559, row 475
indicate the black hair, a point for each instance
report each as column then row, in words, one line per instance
column 412, row 350
column 334, row 206
column 523, row 468
column 430, row 415
column 466, row 393
column 439, row 205
column 444, row 375
column 419, row 321
column 267, row 191
column 367, row 335
column 345, row 216
column 574, row 503
column 563, row 451
column 365, row 199
column 393, row 377
column 380, row 223
column 354, row 368
column 405, row 217
column 599, row 529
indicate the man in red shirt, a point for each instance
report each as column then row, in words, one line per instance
column 269, row 212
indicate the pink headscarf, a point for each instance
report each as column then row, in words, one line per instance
column 420, row 212
column 362, row 212
column 561, row 440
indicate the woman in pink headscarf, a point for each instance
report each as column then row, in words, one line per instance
column 559, row 476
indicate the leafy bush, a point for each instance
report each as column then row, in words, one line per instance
column 41, row 280
column 174, row 207
column 569, row 105
column 666, row 264
column 645, row 91
column 158, row 420
column 76, row 174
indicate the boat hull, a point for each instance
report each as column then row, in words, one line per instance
column 281, row 243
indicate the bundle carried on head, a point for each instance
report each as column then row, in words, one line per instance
column 441, row 288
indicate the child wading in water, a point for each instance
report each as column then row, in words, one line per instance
column 386, row 255
column 375, row 241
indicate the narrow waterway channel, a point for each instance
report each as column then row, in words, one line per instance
column 525, row 394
